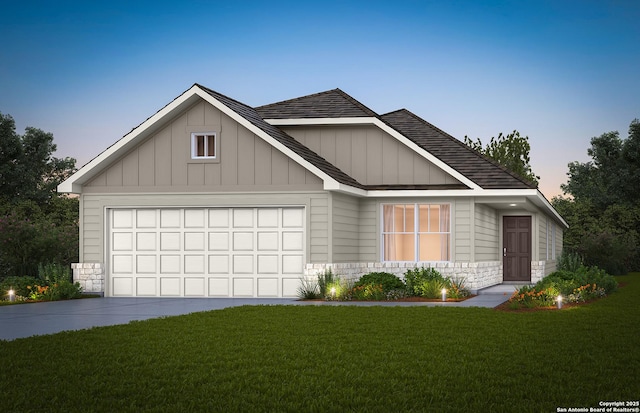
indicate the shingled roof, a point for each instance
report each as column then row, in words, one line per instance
column 307, row 154
column 330, row 104
column 336, row 104
column 480, row 169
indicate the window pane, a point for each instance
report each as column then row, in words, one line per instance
column 434, row 218
column 398, row 218
column 409, row 218
column 211, row 145
column 199, row 145
column 387, row 216
column 399, row 247
column 434, row 247
column 424, row 218
column 445, row 218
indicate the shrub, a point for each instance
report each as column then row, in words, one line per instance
column 415, row 278
column 367, row 292
column 18, row 284
column 308, row 289
column 63, row 290
column 386, row 280
column 54, row 273
column 569, row 261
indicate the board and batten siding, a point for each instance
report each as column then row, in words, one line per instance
column 94, row 206
column 345, row 217
column 162, row 162
column 370, row 155
column 462, row 229
column 487, row 239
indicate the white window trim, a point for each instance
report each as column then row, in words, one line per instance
column 194, row 145
column 416, row 233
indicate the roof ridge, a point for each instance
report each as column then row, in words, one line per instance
column 297, row 98
column 353, row 100
column 465, row 146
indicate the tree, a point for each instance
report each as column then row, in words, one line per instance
column 37, row 225
column 603, row 210
column 28, row 171
column 510, row 151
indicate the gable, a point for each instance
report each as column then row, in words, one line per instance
column 163, row 160
column 371, row 156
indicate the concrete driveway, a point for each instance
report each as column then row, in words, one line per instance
column 26, row 320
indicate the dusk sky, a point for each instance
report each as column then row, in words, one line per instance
column 560, row 72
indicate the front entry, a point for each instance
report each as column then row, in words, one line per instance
column 516, row 250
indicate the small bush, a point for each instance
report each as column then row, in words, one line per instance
column 19, row 285
column 415, row 278
column 569, row 261
column 64, row 290
column 308, row 289
column 54, row 273
column 367, row 292
column 386, row 280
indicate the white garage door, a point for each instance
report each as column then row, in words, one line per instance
column 205, row 252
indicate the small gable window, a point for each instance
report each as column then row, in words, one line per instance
column 203, row 146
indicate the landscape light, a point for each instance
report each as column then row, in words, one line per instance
column 559, row 302
column 333, row 292
column 444, row 294
column 12, row 295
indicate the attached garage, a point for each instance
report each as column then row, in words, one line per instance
column 205, row 252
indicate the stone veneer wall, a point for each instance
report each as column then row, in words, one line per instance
column 537, row 271
column 90, row 276
column 476, row 274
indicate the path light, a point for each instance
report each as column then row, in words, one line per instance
column 333, row 292
column 444, row 294
column 12, row 295
column 559, row 302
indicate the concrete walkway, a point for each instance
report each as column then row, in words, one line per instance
column 26, row 320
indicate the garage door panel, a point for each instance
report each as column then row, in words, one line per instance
column 194, row 218
column 219, row 218
column 146, row 241
column 267, row 287
column 292, row 241
column 170, row 286
column 243, row 241
column 122, row 218
column 243, row 218
column 194, row 264
column 219, row 287
column 268, row 218
column 292, row 217
column 267, row 264
column 146, row 218
column 122, row 286
column 122, row 264
column 194, row 241
column 243, row 287
column 268, row 241
column 218, row 241
column 169, row 241
column 292, row 264
column 243, row 264
column 169, row 218
column 219, row 264
column 194, row 287
column 146, row 264
column 122, row 241
column 146, row 286
column 169, row 264
column 290, row 287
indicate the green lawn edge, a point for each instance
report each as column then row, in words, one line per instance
column 336, row 358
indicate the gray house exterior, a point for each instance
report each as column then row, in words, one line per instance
column 210, row 197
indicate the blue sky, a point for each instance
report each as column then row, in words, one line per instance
column 558, row 71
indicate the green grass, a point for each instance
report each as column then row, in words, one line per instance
column 344, row 358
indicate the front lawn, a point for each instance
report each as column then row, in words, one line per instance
column 342, row 358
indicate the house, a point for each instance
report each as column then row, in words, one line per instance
column 210, row 197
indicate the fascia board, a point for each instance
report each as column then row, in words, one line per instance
column 328, row 181
column 74, row 183
column 386, row 128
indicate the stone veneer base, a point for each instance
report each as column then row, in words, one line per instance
column 90, row 276
column 477, row 275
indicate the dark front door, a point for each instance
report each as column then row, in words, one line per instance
column 516, row 250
